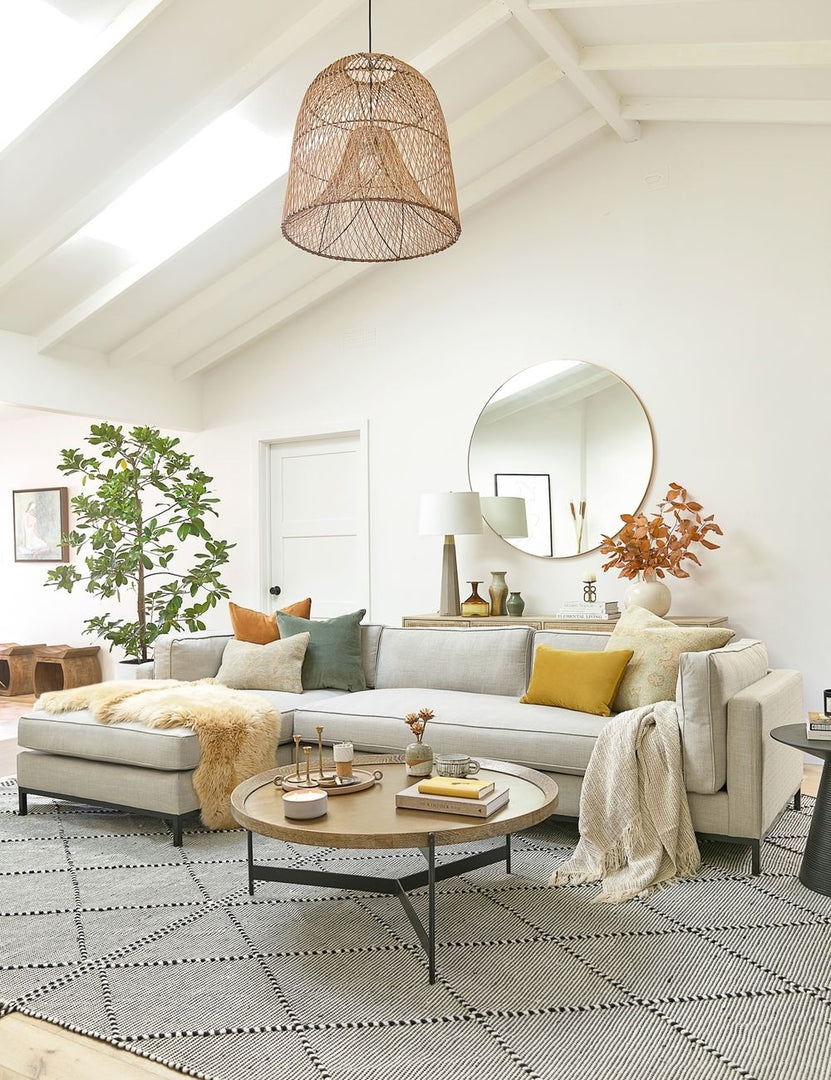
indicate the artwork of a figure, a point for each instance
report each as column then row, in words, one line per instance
column 40, row 521
column 33, row 543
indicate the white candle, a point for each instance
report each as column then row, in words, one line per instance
column 343, row 753
column 306, row 803
column 590, row 578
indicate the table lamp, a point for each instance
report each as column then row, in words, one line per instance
column 450, row 514
column 506, row 515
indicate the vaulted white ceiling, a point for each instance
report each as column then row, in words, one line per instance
column 522, row 82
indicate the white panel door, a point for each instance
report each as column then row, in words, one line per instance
column 318, row 523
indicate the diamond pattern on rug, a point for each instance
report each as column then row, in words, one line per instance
column 769, row 1038
column 108, row 929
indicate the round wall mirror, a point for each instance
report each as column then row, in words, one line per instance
column 574, row 442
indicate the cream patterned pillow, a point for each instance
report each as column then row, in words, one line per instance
column 275, row 666
column 657, row 645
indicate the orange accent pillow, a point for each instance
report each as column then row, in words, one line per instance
column 259, row 628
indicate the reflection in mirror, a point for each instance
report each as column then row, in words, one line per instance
column 574, row 442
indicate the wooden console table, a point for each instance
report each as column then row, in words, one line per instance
column 17, row 669
column 60, row 667
column 547, row 622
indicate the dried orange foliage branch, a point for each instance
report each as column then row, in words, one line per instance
column 660, row 543
column 417, row 722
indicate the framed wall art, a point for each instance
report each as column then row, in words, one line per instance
column 535, row 488
column 41, row 519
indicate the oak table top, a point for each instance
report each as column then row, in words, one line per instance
column 370, row 818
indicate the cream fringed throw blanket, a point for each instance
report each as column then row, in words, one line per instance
column 635, row 826
column 238, row 732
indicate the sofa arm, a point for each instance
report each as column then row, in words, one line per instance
column 762, row 774
column 188, row 656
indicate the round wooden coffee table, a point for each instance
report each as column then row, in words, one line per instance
column 370, row 819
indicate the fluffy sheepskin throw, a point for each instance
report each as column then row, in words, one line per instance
column 238, row 731
column 635, row 827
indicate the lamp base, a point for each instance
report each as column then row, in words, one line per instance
column 449, row 604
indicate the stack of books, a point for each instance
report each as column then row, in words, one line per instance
column 579, row 609
column 818, row 726
column 453, row 795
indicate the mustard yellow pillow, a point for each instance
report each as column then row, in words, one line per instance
column 259, row 628
column 574, row 679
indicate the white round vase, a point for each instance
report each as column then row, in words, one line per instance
column 649, row 592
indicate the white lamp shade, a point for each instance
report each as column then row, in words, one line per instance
column 450, row 513
column 505, row 514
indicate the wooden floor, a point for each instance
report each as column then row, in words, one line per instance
column 34, row 1050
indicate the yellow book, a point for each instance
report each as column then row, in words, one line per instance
column 464, row 787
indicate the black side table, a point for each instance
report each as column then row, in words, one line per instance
column 815, row 871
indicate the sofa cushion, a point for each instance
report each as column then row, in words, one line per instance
column 261, row 628
column 706, row 682
column 657, row 645
column 275, row 666
column 574, row 679
column 483, row 725
column 474, row 660
column 334, row 659
column 76, row 734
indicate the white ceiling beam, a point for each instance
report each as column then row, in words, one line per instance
column 750, row 54
column 202, row 302
column 563, row 50
column 476, row 119
column 554, row 5
column 470, row 196
column 728, row 110
column 223, row 97
column 101, row 49
column 465, row 33
column 507, row 98
column 457, row 39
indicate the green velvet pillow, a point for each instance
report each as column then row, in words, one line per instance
column 576, row 679
column 333, row 657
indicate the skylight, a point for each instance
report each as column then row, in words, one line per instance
column 42, row 52
column 207, row 178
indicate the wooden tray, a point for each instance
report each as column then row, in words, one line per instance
column 360, row 782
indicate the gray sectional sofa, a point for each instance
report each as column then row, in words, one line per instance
column 738, row 779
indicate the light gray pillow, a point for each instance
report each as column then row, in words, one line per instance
column 275, row 666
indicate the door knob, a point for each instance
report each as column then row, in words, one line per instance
column 275, row 590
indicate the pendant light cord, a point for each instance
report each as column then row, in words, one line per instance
column 369, row 6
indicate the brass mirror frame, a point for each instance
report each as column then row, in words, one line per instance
column 616, row 524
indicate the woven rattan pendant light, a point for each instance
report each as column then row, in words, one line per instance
column 370, row 178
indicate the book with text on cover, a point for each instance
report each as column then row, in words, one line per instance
column 413, row 799
column 818, row 726
column 457, row 786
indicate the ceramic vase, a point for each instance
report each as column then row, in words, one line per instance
column 649, row 592
column 515, row 604
column 498, row 592
column 418, row 759
column 475, row 606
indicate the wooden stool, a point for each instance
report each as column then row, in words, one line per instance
column 61, row 667
column 17, row 669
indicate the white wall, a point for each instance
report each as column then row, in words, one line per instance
column 694, row 264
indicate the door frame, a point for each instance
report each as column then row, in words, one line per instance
column 320, row 433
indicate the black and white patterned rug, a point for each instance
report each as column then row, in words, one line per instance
column 109, row 930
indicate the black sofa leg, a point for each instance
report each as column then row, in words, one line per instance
column 755, row 857
column 177, row 832
column 797, row 799
column 22, row 804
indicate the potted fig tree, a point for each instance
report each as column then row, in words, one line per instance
column 140, row 528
